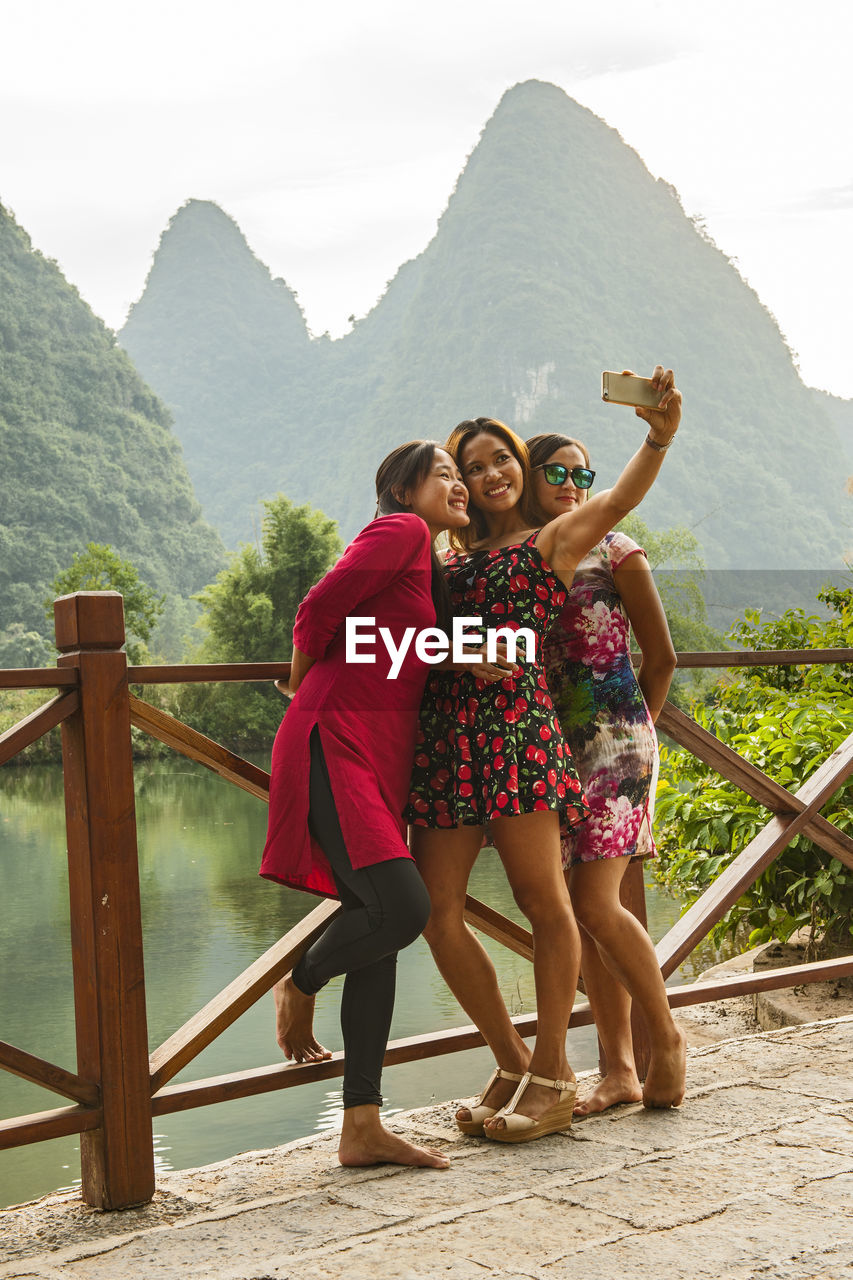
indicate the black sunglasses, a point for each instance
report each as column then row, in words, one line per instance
column 556, row 473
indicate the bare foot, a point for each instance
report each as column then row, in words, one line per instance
column 537, row 1099
column 294, row 1023
column 615, row 1087
column 365, row 1141
column 664, row 1085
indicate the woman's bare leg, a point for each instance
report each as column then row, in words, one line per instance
column 628, row 952
column 529, row 846
column 611, row 1008
column 445, row 859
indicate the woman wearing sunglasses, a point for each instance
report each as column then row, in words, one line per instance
column 340, row 778
column 491, row 750
column 607, row 717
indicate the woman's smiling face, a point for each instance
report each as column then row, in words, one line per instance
column 491, row 472
column 441, row 499
column 555, row 499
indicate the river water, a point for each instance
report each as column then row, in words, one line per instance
column 206, row 917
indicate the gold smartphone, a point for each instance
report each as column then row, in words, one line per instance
column 627, row 388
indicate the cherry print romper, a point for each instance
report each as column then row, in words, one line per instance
column 488, row 750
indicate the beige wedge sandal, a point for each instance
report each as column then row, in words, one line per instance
column 479, row 1113
column 525, row 1128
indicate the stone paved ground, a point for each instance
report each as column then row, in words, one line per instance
column 752, row 1178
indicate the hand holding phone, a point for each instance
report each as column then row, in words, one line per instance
column 656, row 400
column 627, row 388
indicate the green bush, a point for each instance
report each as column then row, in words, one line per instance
column 786, row 721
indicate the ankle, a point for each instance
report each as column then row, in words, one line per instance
column 667, row 1036
column 548, row 1071
column 361, row 1119
column 512, row 1057
column 621, row 1069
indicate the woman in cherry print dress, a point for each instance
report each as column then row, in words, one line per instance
column 511, row 573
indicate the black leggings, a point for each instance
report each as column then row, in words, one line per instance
column 385, row 907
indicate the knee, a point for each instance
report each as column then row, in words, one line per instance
column 590, row 911
column 419, row 910
column 445, row 925
column 410, row 915
column 545, row 911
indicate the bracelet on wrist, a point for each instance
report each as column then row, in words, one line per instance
column 656, row 444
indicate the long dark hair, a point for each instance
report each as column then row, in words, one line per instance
column 543, row 447
column 403, row 471
column 478, row 529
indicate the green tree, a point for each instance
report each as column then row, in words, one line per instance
column 678, row 565
column 248, row 616
column 679, row 569
column 22, row 648
column 174, row 633
column 100, row 568
column 785, row 720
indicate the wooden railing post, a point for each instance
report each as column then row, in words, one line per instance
column 106, row 924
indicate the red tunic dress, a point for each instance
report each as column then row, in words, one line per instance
column 366, row 721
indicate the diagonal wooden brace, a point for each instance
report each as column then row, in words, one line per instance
column 48, row 1075
column 37, row 724
column 227, row 1006
column 196, row 746
column 752, row 860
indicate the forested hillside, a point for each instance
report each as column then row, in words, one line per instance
column 226, row 347
column 558, row 256
column 841, row 413
column 88, row 454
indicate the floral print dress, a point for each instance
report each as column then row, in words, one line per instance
column 602, row 710
column 488, row 750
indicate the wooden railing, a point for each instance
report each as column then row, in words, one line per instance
column 118, row 1087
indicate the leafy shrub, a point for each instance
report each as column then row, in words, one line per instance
column 786, row 721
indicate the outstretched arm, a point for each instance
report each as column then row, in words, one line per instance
column 566, row 540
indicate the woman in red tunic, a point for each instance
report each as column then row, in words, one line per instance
column 340, row 779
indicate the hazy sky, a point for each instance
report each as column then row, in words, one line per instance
column 333, row 133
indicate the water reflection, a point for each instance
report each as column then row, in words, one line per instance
column 206, row 917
